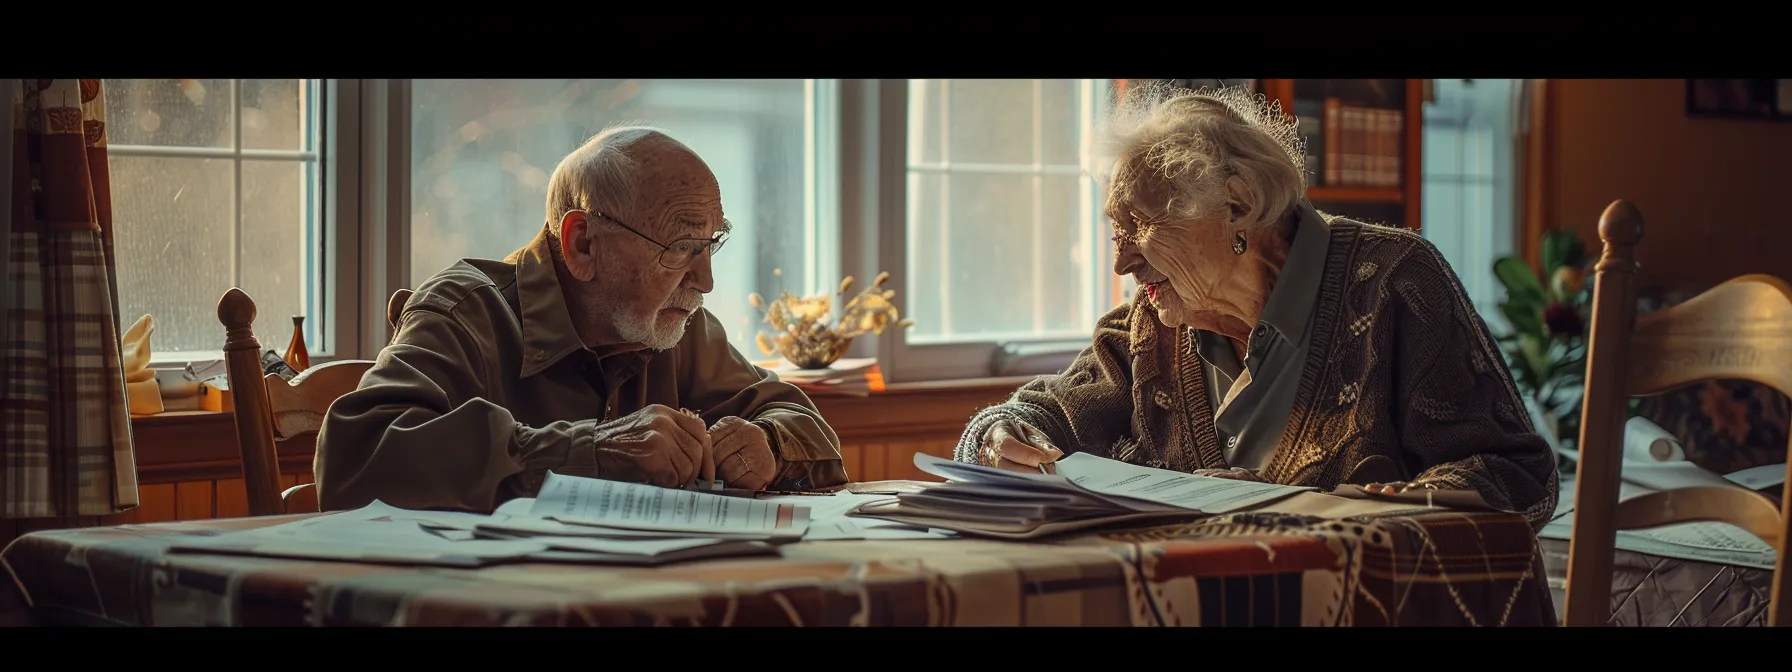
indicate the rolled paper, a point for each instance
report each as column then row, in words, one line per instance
column 1645, row 441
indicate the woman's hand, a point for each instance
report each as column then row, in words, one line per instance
column 1396, row 487
column 1017, row 446
column 1234, row 473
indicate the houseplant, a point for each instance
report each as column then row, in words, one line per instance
column 803, row 333
column 1546, row 348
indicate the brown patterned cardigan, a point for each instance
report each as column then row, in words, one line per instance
column 1402, row 383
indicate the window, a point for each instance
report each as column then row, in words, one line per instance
column 482, row 152
column 1004, row 238
column 970, row 192
column 1470, row 182
column 215, row 184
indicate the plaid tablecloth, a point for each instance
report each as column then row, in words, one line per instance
column 1263, row 568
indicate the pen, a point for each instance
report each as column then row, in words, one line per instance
column 796, row 492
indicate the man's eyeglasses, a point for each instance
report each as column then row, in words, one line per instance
column 680, row 253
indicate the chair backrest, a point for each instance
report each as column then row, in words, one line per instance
column 1741, row 329
column 271, row 409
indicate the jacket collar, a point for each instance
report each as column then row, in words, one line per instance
column 548, row 331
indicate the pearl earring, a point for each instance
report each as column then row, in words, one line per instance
column 1238, row 243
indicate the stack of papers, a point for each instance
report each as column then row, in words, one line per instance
column 1702, row 541
column 831, row 519
column 633, row 508
column 1086, row 492
column 846, row 377
column 577, row 520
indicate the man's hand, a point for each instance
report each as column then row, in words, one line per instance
column 743, row 452
column 655, row 445
column 1017, row 446
column 1234, row 473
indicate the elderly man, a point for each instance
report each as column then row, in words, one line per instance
column 578, row 354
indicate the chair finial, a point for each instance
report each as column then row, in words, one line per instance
column 237, row 313
column 1621, row 224
column 236, row 309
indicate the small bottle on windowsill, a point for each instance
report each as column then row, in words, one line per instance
column 296, row 356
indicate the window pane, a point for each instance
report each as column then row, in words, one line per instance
column 273, row 250
column 1059, row 130
column 925, row 137
column 173, row 232
column 1470, row 171
column 482, row 151
column 168, row 112
column 274, row 113
column 1002, row 249
column 927, row 254
column 1063, row 255
column 991, row 120
column 1443, row 151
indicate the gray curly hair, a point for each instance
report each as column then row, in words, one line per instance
column 1191, row 141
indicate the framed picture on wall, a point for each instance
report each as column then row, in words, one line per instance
column 1769, row 99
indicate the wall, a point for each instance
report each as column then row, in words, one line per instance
column 1712, row 191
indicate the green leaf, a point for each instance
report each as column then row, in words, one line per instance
column 1567, row 367
column 1535, row 359
column 1555, row 251
column 1521, row 284
column 1526, row 318
column 1577, row 253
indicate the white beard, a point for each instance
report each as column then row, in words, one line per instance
column 648, row 332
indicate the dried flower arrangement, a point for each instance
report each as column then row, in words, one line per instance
column 801, row 332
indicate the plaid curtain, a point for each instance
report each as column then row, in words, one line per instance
column 66, row 450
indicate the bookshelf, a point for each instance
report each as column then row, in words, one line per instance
column 1364, row 141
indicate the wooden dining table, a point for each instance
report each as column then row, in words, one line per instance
column 1308, row 560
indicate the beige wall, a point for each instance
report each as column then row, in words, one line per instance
column 1712, row 191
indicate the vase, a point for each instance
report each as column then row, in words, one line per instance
column 815, row 351
column 297, row 356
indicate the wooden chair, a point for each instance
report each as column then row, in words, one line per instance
column 271, row 410
column 1739, row 330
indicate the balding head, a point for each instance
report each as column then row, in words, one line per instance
column 628, row 172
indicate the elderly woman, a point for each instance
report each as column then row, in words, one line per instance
column 1271, row 341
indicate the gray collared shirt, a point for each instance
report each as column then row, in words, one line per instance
column 1252, row 398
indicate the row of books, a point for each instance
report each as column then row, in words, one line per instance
column 1351, row 145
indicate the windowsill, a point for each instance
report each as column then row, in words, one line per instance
column 1036, row 358
column 170, row 444
column 168, row 418
column 180, row 360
